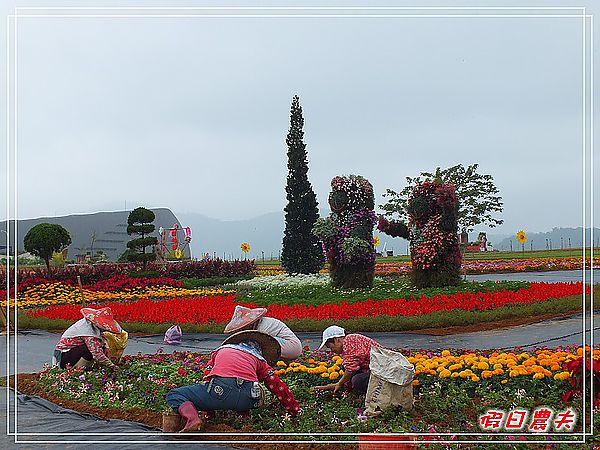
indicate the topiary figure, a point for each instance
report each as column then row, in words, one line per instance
column 433, row 234
column 347, row 235
column 140, row 223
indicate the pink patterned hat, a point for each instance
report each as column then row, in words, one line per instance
column 242, row 317
column 102, row 318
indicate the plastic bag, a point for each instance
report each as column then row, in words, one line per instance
column 117, row 343
column 173, row 335
column 390, row 383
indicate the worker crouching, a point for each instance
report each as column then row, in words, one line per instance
column 232, row 380
column 85, row 342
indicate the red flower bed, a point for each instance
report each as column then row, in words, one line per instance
column 122, row 282
column 94, row 273
column 203, row 310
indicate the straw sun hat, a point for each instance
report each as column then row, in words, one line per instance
column 271, row 350
column 242, row 317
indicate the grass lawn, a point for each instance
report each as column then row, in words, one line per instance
column 475, row 256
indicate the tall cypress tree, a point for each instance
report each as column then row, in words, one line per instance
column 302, row 251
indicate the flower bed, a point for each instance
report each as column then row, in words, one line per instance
column 524, row 265
column 36, row 292
column 94, row 273
column 218, row 309
column 468, row 267
column 281, row 281
column 446, row 403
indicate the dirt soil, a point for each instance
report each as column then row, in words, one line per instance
column 27, row 384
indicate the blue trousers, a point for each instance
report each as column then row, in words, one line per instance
column 217, row 394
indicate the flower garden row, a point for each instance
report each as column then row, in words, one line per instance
column 468, row 267
column 452, row 388
column 220, row 268
column 94, row 273
column 218, row 309
column 36, row 292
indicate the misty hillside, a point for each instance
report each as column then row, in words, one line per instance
column 555, row 239
column 264, row 233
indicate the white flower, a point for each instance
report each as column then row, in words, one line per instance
column 520, row 393
column 281, row 281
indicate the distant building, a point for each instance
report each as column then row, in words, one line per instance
column 106, row 231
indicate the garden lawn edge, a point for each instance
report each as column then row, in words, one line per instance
column 448, row 322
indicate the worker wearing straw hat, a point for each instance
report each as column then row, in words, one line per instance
column 254, row 319
column 83, row 342
column 232, row 380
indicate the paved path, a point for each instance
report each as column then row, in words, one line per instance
column 35, row 347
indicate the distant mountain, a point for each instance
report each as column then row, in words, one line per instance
column 555, row 239
column 264, row 234
column 224, row 237
column 110, row 229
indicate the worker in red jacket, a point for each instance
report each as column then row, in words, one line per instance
column 232, row 380
column 355, row 350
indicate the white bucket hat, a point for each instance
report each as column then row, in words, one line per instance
column 332, row 332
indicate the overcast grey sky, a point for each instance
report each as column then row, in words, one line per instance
column 192, row 113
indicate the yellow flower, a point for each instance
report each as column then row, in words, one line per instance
column 415, row 382
column 281, row 364
column 324, row 375
column 445, row 373
column 562, row 376
column 504, row 381
column 334, row 375
column 475, row 378
column 538, row 376
column 521, row 237
column 245, row 247
column 375, row 241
